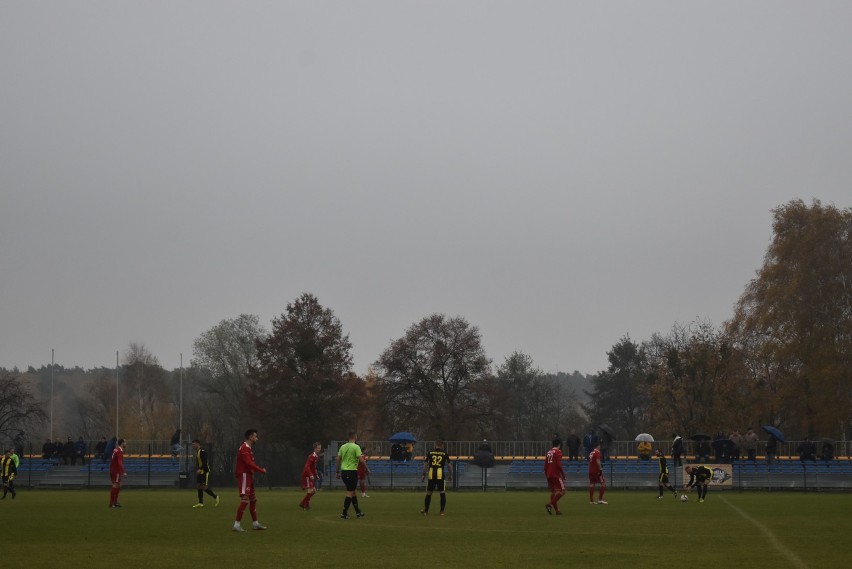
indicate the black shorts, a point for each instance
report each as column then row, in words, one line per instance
column 433, row 485
column 664, row 478
column 350, row 479
column 202, row 479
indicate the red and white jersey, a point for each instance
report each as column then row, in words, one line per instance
column 595, row 461
column 310, row 468
column 116, row 463
column 245, row 461
column 553, row 464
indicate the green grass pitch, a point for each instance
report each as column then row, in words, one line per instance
column 159, row 528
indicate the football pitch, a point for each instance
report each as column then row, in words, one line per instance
column 159, row 528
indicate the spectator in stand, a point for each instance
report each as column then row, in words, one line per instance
column 110, row 446
column 590, row 441
column 573, row 444
column 175, row 442
column 736, row 445
column 702, row 451
column 81, row 449
column 677, row 449
column 807, row 451
column 720, row 447
column 750, row 444
column 100, row 448
column 771, row 449
column 827, row 450
column 47, row 449
column 68, row 456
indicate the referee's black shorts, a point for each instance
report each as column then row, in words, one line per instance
column 350, row 479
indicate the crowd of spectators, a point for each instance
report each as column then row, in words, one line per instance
column 70, row 451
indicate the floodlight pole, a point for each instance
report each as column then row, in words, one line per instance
column 180, row 422
column 51, row 394
column 116, row 394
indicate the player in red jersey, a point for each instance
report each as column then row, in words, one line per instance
column 555, row 476
column 309, row 476
column 246, row 468
column 116, row 472
column 596, row 475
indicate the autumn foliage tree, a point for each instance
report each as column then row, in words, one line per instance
column 433, row 378
column 794, row 320
column 302, row 388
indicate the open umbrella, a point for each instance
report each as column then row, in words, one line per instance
column 402, row 437
column 774, row 432
column 608, row 430
column 644, row 437
column 701, row 437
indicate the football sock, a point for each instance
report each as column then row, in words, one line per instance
column 427, row 502
column 661, row 491
column 443, row 501
column 346, row 504
column 210, row 493
column 253, row 510
column 200, row 496
column 355, row 504
column 241, row 510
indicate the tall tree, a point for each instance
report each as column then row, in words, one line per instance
column 531, row 401
column 433, row 378
column 620, row 395
column 302, row 388
column 150, row 415
column 20, row 412
column 797, row 314
column 222, row 358
column 697, row 380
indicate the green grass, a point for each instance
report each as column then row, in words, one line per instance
column 158, row 528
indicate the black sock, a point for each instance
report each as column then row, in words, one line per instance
column 661, row 491
column 211, row 492
column 355, row 504
column 443, row 501
column 427, row 502
column 346, row 503
column 200, row 496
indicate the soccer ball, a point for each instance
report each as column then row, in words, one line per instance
column 684, row 498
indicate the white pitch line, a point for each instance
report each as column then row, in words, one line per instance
column 794, row 559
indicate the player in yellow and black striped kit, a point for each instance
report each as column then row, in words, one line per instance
column 202, row 474
column 8, row 469
column 433, row 467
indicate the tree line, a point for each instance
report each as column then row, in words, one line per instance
column 782, row 359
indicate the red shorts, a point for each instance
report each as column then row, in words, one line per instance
column 115, row 477
column 556, row 484
column 308, row 483
column 596, row 478
column 245, row 485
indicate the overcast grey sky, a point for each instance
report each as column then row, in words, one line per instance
column 558, row 173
